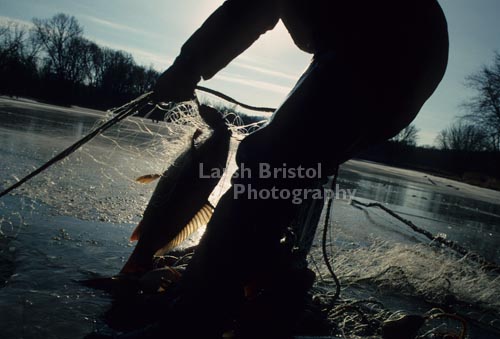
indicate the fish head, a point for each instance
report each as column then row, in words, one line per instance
column 212, row 117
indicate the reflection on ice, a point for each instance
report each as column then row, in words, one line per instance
column 468, row 215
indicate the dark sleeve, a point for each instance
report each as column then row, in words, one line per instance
column 230, row 30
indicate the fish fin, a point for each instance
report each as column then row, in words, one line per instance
column 201, row 218
column 136, row 234
column 148, row 178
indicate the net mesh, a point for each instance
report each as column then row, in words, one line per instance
column 98, row 181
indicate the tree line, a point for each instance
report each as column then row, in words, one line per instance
column 54, row 62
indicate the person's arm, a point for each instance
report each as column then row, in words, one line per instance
column 230, row 30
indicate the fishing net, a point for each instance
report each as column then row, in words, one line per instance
column 98, row 181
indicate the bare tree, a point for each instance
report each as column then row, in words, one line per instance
column 18, row 40
column 18, row 59
column 3, row 30
column 484, row 107
column 59, row 36
column 408, row 136
column 147, row 79
column 78, row 61
column 463, row 137
column 12, row 37
column 117, row 74
column 95, row 65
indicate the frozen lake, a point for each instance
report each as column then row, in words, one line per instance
column 73, row 223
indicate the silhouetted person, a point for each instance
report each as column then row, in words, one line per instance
column 374, row 65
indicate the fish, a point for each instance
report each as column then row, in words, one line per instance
column 179, row 204
column 148, row 178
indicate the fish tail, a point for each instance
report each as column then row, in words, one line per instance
column 136, row 234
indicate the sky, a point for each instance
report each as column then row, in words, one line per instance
column 153, row 31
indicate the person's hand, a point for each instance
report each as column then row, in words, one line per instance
column 176, row 84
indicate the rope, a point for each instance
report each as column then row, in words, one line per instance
column 488, row 265
column 234, row 101
column 323, row 241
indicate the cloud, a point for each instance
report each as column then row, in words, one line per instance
column 262, row 85
column 265, row 71
column 142, row 56
column 427, row 138
column 5, row 20
column 114, row 25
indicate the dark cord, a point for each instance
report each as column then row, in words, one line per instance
column 234, row 101
column 323, row 242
